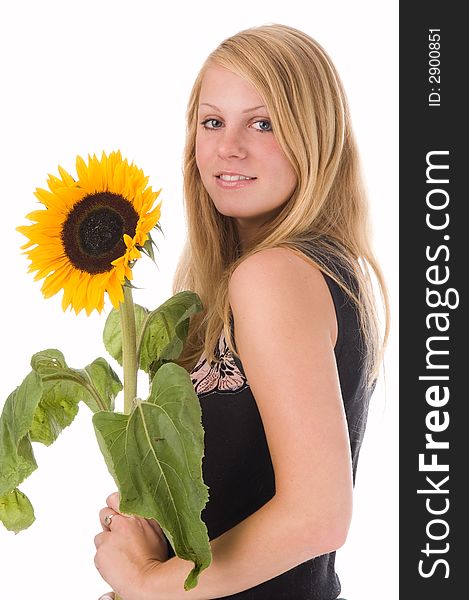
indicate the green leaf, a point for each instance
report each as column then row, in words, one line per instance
column 160, row 334
column 37, row 411
column 96, row 385
column 16, row 511
column 165, row 331
column 155, row 456
column 16, row 454
column 59, row 401
column 105, row 381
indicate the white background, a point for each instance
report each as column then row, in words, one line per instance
column 82, row 77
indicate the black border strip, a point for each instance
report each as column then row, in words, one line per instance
column 434, row 421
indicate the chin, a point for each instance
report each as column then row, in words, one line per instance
column 235, row 212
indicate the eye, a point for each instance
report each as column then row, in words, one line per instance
column 263, row 125
column 211, row 124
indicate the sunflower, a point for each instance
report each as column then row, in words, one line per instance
column 91, row 231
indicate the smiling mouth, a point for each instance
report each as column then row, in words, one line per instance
column 225, row 177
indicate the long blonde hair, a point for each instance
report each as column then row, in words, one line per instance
column 326, row 215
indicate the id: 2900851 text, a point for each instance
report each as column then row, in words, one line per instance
column 434, row 71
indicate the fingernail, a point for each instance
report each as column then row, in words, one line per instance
column 106, row 598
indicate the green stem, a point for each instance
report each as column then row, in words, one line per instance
column 129, row 354
column 142, row 333
column 129, row 349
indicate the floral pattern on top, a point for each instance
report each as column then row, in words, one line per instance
column 222, row 376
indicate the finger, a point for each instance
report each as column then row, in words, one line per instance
column 113, row 501
column 156, row 527
column 108, row 596
column 100, row 538
column 105, row 517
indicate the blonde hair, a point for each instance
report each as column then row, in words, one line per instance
column 327, row 213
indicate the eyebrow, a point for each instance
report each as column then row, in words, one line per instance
column 244, row 111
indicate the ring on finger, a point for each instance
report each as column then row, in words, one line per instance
column 108, row 519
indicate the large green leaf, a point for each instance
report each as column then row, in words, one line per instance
column 16, row 454
column 16, row 511
column 160, row 334
column 155, row 456
column 37, row 411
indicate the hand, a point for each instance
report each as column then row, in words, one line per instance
column 127, row 550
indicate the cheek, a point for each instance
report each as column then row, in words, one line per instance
column 280, row 166
column 202, row 156
column 290, row 176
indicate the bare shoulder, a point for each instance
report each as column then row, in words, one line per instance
column 278, row 283
column 280, row 266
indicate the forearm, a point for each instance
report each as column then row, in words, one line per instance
column 250, row 553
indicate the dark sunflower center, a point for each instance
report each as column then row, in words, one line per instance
column 93, row 231
column 101, row 231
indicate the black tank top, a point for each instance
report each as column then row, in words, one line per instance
column 237, row 466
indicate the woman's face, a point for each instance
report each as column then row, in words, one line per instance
column 242, row 167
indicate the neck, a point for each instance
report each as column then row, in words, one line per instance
column 247, row 231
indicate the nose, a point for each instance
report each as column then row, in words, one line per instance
column 231, row 144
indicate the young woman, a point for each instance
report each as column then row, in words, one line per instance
column 285, row 355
